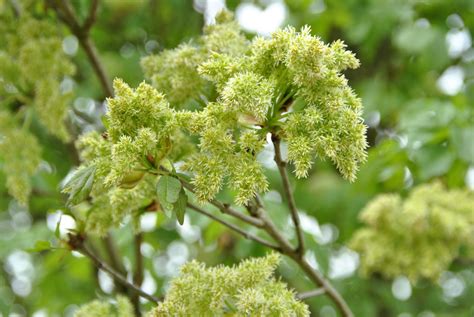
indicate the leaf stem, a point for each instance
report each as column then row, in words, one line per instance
column 138, row 272
column 235, row 228
column 226, row 209
column 312, row 293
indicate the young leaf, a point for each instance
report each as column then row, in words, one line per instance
column 80, row 184
column 168, row 189
column 180, row 206
column 166, row 163
column 57, row 231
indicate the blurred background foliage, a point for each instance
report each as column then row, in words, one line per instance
column 417, row 86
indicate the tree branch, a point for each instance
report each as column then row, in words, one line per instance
column 235, row 228
column 138, row 272
column 319, row 279
column 67, row 15
column 226, row 209
column 309, row 294
column 260, row 219
column 114, row 259
column 77, row 243
column 315, row 276
column 112, row 253
column 91, row 17
column 289, row 194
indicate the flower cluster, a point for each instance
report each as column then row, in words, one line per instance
column 248, row 289
column 417, row 237
column 324, row 116
column 20, row 153
column 216, row 102
column 122, row 308
column 32, row 67
column 175, row 71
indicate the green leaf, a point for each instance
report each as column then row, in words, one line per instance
column 180, row 206
column 40, row 245
column 433, row 160
column 167, row 208
column 168, row 189
column 166, row 163
column 463, row 142
column 56, row 231
column 80, row 184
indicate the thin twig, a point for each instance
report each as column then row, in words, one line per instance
column 289, row 194
column 117, row 276
column 67, row 15
column 309, row 294
column 235, row 228
column 112, row 253
column 315, row 276
column 319, row 279
column 91, row 17
column 93, row 56
column 114, row 259
column 274, row 232
column 226, row 209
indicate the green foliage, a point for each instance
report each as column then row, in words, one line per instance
column 32, row 66
column 108, row 204
column 418, row 237
column 140, row 124
column 248, row 289
column 180, row 206
column 416, row 132
column 175, row 72
column 79, row 185
column 254, row 97
column 20, row 153
column 168, row 189
column 172, row 196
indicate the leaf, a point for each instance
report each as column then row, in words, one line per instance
column 433, row 160
column 180, row 206
column 166, row 163
column 80, row 184
column 167, row 208
column 40, row 245
column 131, row 179
column 57, row 231
column 168, row 189
column 463, row 142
